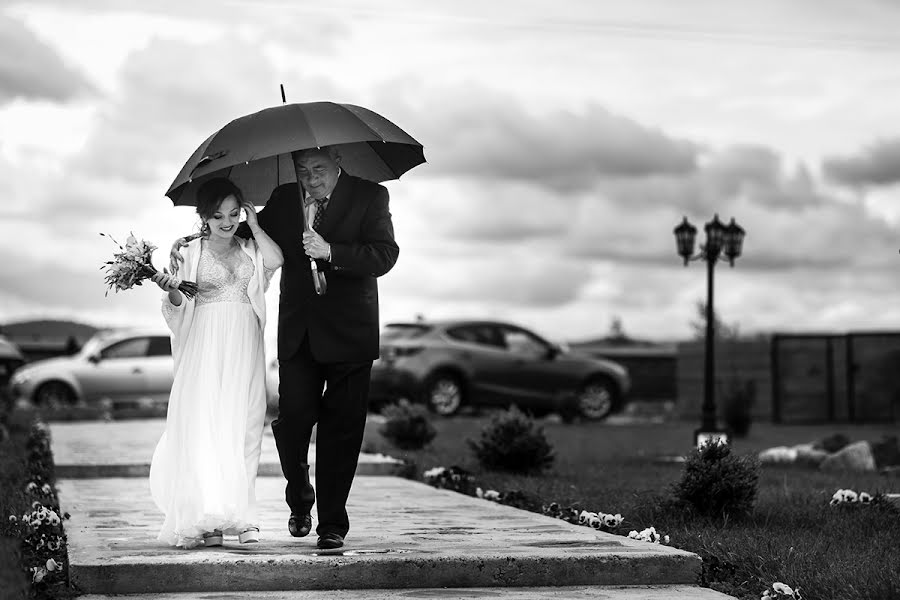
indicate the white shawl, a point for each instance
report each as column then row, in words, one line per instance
column 180, row 318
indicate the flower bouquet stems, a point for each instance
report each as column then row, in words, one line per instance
column 133, row 265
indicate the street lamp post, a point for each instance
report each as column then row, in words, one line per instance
column 720, row 239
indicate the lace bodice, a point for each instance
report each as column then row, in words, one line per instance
column 223, row 279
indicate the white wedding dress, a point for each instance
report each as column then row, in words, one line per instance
column 203, row 472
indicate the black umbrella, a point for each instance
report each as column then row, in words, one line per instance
column 254, row 151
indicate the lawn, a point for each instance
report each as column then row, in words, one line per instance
column 793, row 535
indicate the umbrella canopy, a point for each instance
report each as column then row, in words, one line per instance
column 254, row 151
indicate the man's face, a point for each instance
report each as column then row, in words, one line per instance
column 317, row 173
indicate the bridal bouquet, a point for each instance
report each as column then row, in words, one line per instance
column 132, row 266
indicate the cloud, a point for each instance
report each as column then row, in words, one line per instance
column 877, row 165
column 483, row 133
column 32, row 70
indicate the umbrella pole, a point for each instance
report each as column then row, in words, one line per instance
column 318, row 278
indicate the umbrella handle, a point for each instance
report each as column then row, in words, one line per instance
column 318, row 278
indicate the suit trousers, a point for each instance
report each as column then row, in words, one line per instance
column 341, row 416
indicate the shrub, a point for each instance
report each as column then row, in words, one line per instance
column 832, row 443
column 717, row 483
column 737, row 405
column 512, row 442
column 407, row 426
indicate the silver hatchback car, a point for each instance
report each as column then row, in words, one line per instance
column 117, row 364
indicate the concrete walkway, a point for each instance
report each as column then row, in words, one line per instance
column 429, row 542
column 124, row 449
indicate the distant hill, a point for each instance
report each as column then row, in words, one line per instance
column 47, row 330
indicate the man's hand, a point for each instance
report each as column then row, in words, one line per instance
column 315, row 246
column 175, row 257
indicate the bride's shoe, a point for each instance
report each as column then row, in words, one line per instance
column 212, row 538
column 249, row 535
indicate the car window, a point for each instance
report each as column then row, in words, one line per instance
column 130, row 348
column 403, row 331
column 485, row 335
column 522, row 342
column 160, row 346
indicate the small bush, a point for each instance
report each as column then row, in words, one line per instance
column 832, row 443
column 407, row 426
column 512, row 442
column 716, row 483
column 737, row 405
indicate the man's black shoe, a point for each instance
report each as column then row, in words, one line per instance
column 299, row 525
column 330, row 541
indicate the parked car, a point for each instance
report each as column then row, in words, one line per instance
column 10, row 359
column 116, row 364
column 453, row 363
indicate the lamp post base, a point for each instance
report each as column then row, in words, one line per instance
column 703, row 436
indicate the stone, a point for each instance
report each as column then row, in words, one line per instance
column 809, row 455
column 779, row 455
column 856, row 457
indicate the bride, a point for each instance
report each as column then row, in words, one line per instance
column 203, row 472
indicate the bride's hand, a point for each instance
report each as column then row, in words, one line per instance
column 250, row 211
column 166, row 282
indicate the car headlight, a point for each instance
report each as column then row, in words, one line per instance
column 20, row 378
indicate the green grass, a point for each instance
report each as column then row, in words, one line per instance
column 793, row 535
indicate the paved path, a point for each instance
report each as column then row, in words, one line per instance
column 636, row 592
column 407, row 540
column 124, row 449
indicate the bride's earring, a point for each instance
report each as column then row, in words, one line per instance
column 205, row 229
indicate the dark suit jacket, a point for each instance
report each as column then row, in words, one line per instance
column 342, row 325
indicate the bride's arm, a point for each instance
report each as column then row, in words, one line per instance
column 271, row 252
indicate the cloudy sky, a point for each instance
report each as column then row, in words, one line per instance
column 564, row 140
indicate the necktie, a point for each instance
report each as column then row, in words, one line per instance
column 320, row 213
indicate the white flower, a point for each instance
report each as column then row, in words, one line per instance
column 479, row 493
column 595, row 521
column 782, row 588
column 53, row 518
column 864, row 497
column 12, row 518
column 38, row 574
column 52, row 565
column 30, row 487
column 45, row 488
column 492, row 495
column 666, row 539
column 612, row 521
column 53, row 545
column 584, row 516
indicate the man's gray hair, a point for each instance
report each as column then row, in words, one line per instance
column 331, row 151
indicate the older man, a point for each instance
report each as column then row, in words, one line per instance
column 326, row 341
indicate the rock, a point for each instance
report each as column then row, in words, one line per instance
column 886, row 452
column 832, row 443
column 778, row 455
column 810, row 456
column 856, row 457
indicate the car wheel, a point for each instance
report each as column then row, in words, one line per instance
column 596, row 399
column 54, row 393
column 444, row 394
